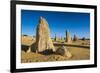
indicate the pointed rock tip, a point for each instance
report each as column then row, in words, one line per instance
column 41, row 17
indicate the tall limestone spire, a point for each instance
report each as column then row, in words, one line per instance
column 43, row 39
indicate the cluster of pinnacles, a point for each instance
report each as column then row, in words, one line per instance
column 44, row 41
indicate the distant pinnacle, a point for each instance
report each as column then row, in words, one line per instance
column 68, row 37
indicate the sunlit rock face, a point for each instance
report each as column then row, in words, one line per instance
column 43, row 39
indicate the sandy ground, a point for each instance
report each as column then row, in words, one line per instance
column 77, row 54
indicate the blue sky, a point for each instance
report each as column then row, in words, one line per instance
column 59, row 22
